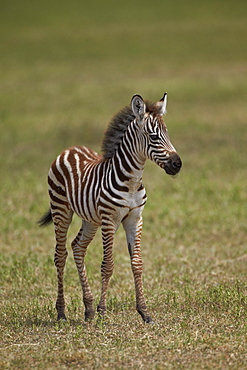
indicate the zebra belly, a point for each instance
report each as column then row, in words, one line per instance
column 88, row 212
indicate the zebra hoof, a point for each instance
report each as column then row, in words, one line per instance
column 61, row 317
column 148, row 320
column 89, row 315
column 145, row 316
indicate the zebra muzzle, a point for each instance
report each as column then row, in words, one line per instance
column 173, row 164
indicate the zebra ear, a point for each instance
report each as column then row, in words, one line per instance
column 162, row 105
column 138, row 107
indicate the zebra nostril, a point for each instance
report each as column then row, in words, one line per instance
column 176, row 161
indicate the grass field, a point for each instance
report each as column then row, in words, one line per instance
column 65, row 69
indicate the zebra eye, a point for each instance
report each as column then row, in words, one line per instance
column 154, row 136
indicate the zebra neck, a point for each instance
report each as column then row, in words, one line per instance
column 131, row 173
column 127, row 163
column 125, row 177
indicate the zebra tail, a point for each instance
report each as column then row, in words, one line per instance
column 46, row 219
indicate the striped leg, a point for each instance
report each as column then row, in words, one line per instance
column 61, row 223
column 108, row 231
column 133, row 229
column 79, row 246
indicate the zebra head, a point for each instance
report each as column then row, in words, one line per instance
column 154, row 137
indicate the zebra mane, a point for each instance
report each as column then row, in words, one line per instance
column 118, row 126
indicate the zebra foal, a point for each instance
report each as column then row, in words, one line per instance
column 106, row 190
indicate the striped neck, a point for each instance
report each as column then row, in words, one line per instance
column 128, row 158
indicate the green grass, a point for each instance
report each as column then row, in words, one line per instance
column 65, row 69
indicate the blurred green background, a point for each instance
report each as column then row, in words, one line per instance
column 66, row 68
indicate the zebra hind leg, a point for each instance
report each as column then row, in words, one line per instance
column 61, row 224
column 79, row 247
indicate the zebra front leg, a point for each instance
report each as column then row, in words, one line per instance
column 133, row 229
column 79, row 246
column 108, row 231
